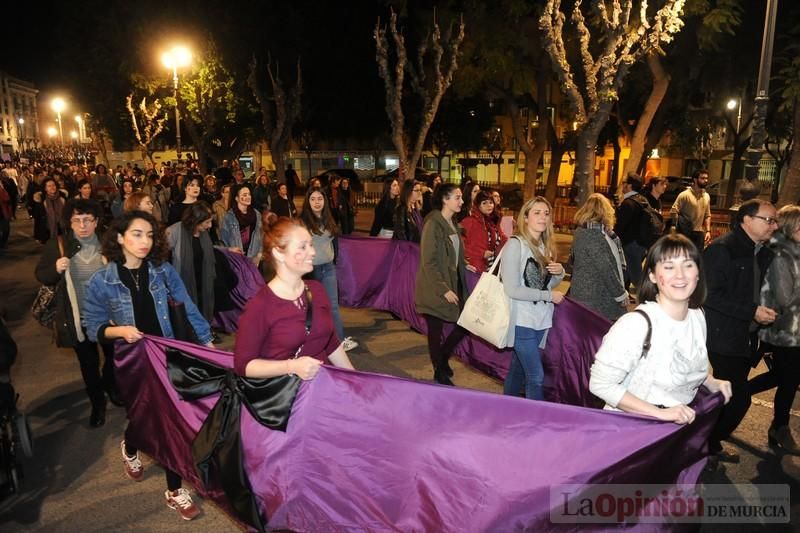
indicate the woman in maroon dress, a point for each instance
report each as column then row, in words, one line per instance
column 272, row 339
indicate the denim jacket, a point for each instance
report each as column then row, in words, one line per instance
column 109, row 300
column 230, row 234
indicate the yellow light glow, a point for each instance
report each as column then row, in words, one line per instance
column 732, row 104
column 176, row 57
column 51, row 131
column 21, row 120
column 58, row 104
column 73, row 134
column 78, row 119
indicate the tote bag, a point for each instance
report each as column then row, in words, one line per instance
column 487, row 311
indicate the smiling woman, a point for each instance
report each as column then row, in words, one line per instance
column 288, row 328
column 654, row 359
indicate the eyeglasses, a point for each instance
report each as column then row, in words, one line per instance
column 768, row 220
column 80, row 222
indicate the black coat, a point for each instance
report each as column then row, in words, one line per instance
column 629, row 219
column 65, row 323
column 731, row 303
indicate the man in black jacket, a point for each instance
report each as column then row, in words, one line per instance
column 630, row 214
column 735, row 265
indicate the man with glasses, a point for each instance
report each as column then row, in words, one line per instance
column 77, row 257
column 735, row 265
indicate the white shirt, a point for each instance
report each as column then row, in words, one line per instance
column 675, row 367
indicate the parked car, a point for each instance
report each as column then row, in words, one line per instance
column 420, row 174
column 349, row 173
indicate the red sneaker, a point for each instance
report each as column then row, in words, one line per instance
column 133, row 466
column 182, row 502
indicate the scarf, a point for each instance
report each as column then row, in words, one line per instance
column 609, row 233
column 53, row 208
column 247, row 224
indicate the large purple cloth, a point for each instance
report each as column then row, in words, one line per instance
column 249, row 283
column 386, row 281
column 370, row 452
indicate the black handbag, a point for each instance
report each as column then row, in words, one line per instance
column 43, row 308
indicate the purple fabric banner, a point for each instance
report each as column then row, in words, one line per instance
column 370, row 452
column 250, row 282
column 380, row 274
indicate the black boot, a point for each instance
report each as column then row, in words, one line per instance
column 98, row 416
column 441, row 377
column 114, row 397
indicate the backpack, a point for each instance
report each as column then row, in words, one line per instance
column 651, row 225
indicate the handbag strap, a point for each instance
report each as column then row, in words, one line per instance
column 646, row 343
column 309, row 318
column 496, row 264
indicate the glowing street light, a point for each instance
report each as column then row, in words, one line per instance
column 734, row 104
column 58, row 105
column 74, row 135
column 177, row 56
column 51, row 132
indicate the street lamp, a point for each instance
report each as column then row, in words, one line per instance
column 58, row 105
column 178, row 56
column 51, row 132
column 81, row 127
column 736, row 104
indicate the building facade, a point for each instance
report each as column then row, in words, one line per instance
column 19, row 117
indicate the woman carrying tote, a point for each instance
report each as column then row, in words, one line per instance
column 530, row 274
column 441, row 284
column 128, row 299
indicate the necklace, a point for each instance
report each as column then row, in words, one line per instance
column 134, row 278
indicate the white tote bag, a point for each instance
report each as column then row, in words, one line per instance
column 487, row 311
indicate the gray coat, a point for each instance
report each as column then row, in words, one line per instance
column 781, row 292
column 440, row 270
column 180, row 242
column 596, row 282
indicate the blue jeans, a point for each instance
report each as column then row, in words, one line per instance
column 526, row 365
column 326, row 274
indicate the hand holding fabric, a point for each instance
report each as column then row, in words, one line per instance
column 306, row 368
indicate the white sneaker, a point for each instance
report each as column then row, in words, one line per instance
column 349, row 343
column 181, row 501
column 133, row 465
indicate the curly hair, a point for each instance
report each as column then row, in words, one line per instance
column 112, row 249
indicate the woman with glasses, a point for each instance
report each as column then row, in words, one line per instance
column 76, row 258
column 407, row 218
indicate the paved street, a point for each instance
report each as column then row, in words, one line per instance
column 75, row 481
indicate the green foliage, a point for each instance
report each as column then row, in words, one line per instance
column 719, row 18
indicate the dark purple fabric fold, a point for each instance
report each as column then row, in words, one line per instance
column 380, row 274
column 250, row 282
column 376, row 453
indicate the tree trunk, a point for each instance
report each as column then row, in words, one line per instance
column 584, row 164
column 790, row 191
column 638, row 142
column 557, row 150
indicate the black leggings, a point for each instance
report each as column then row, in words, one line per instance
column 174, row 480
column 785, row 374
column 440, row 351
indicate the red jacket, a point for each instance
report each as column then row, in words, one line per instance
column 481, row 234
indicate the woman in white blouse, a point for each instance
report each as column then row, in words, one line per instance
column 664, row 381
